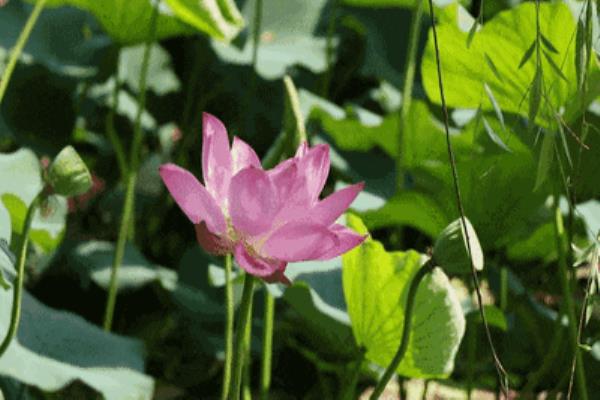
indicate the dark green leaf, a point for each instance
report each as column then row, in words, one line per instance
column 527, row 54
column 492, row 66
column 548, row 44
column 555, row 67
column 472, row 32
column 535, row 96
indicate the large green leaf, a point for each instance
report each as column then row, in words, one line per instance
column 411, row 209
column 65, row 40
column 288, row 38
column 53, row 348
column 20, row 182
column 494, row 56
column 376, row 286
column 380, row 3
column 128, row 21
column 161, row 77
column 94, row 259
column 219, row 18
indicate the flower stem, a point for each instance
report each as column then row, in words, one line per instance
column 246, row 391
column 20, row 45
column 410, row 301
column 409, row 80
column 119, row 251
column 111, row 132
column 15, row 314
column 267, row 346
column 563, row 272
column 128, row 213
column 229, row 305
column 239, row 349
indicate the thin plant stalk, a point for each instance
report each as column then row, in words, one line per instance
column 239, row 350
column 111, row 131
column 583, row 318
column 15, row 314
column 127, row 216
column 246, row 380
column 410, row 301
column 349, row 392
column 502, row 375
column 19, row 46
column 409, row 80
column 563, row 272
column 229, row 311
column 267, row 346
column 329, row 49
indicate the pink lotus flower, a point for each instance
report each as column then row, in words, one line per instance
column 266, row 218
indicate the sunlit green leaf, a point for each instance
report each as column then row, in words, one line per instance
column 497, row 57
column 376, row 284
column 219, row 18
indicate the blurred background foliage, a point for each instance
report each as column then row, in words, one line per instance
column 347, row 57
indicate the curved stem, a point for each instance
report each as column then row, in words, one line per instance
column 229, row 305
column 563, row 272
column 19, row 46
column 239, row 349
column 15, row 314
column 267, row 345
column 502, row 374
column 119, row 251
column 410, row 301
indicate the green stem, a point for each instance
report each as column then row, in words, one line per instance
column 21, row 41
column 111, row 131
column 137, row 129
column 267, row 345
column 296, row 112
column 349, row 393
column 258, row 7
column 329, row 50
column 410, row 301
column 246, row 392
column 239, row 349
column 559, row 232
column 229, row 305
column 126, row 218
column 503, row 288
column 409, row 80
column 15, row 314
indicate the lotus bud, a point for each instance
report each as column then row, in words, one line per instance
column 68, row 174
column 450, row 250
